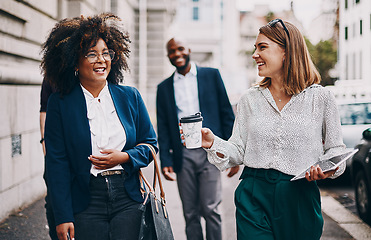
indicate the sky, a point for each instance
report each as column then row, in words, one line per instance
column 305, row 10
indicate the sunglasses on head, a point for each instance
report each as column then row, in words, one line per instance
column 277, row 20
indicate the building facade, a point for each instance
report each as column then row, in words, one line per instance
column 355, row 40
column 211, row 28
column 24, row 26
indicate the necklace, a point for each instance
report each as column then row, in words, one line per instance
column 275, row 96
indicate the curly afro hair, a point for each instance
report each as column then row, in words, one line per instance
column 72, row 38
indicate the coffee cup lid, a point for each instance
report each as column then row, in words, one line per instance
column 192, row 118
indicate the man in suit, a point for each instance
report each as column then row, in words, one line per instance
column 191, row 89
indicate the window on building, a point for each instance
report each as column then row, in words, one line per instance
column 357, row 1
column 354, row 66
column 114, row 6
column 195, row 0
column 346, row 4
column 360, row 65
column 222, row 10
column 346, row 67
column 196, row 16
column 346, row 33
column 16, row 145
column 354, row 30
column 360, row 27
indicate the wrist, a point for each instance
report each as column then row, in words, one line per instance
column 42, row 140
column 125, row 157
column 209, row 145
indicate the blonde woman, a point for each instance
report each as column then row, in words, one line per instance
column 283, row 125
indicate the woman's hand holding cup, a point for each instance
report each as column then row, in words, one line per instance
column 207, row 138
column 208, row 141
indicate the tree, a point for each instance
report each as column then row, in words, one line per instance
column 324, row 56
column 269, row 17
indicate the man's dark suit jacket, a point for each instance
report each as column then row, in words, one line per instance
column 68, row 146
column 214, row 106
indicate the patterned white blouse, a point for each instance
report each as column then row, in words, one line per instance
column 305, row 130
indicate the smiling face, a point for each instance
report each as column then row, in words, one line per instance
column 269, row 57
column 96, row 73
column 178, row 55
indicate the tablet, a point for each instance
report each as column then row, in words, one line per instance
column 328, row 164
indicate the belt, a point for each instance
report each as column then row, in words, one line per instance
column 111, row 172
column 270, row 175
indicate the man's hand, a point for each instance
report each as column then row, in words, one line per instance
column 233, row 171
column 64, row 229
column 169, row 173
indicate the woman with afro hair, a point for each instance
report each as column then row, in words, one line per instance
column 92, row 129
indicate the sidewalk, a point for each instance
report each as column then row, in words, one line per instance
column 345, row 220
column 340, row 223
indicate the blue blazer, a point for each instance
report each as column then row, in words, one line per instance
column 68, row 145
column 214, row 106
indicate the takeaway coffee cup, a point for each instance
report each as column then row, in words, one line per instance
column 191, row 126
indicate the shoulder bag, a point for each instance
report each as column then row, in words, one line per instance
column 155, row 224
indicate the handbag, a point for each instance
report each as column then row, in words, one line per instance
column 155, row 224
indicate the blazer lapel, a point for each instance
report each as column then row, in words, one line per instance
column 74, row 111
column 172, row 97
column 122, row 107
column 201, row 87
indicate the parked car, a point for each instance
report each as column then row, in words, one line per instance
column 361, row 177
column 355, row 117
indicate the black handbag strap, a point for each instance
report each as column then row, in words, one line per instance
column 156, row 174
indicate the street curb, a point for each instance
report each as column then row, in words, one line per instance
column 351, row 223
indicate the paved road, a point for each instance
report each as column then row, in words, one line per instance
column 340, row 224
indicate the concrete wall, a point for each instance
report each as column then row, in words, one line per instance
column 20, row 169
column 23, row 28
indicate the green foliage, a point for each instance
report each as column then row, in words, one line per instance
column 324, row 56
column 269, row 17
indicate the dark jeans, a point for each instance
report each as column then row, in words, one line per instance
column 50, row 219
column 112, row 214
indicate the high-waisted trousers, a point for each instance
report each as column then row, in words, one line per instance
column 271, row 207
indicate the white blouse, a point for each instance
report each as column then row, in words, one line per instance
column 106, row 129
column 290, row 140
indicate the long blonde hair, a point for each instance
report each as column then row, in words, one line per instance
column 299, row 70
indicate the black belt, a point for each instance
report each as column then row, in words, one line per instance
column 270, row 175
column 111, row 172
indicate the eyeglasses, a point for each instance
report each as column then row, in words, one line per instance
column 275, row 21
column 107, row 55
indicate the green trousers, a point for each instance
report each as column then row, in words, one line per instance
column 271, row 207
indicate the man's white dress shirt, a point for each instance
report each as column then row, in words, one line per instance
column 186, row 92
